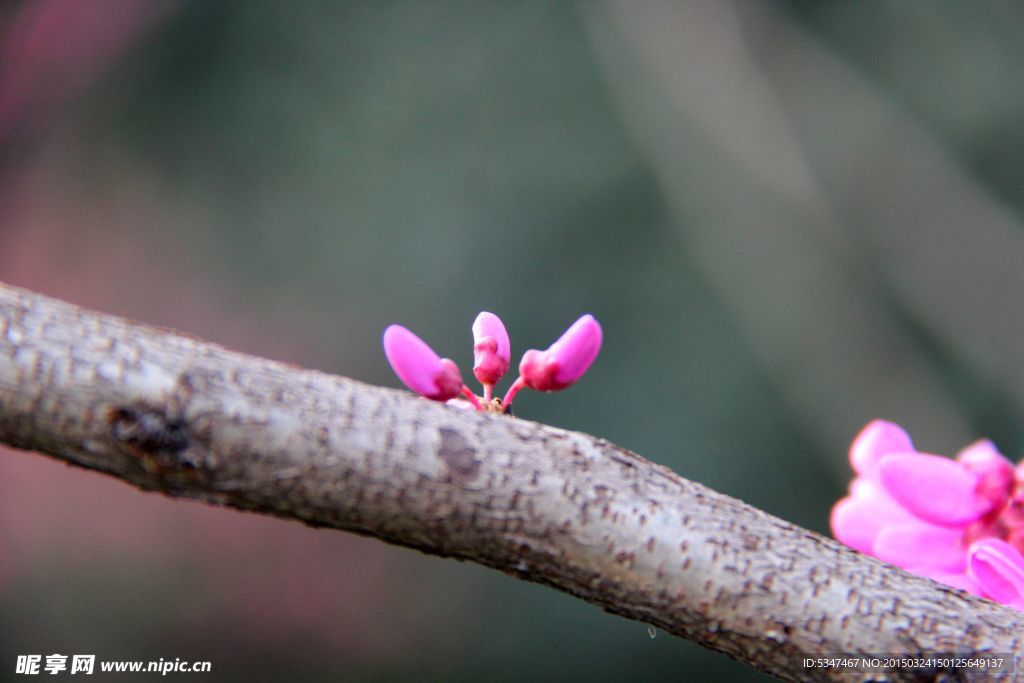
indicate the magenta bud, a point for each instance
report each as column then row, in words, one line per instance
column 935, row 489
column 922, row 545
column 877, row 440
column 998, row 568
column 859, row 518
column 996, row 475
column 419, row 367
column 491, row 349
column 566, row 360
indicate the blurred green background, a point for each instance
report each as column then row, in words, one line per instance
column 789, row 217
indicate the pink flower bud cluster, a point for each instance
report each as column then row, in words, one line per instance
column 959, row 521
column 439, row 379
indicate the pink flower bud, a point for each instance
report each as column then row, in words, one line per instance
column 935, row 489
column 996, row 475
column 491, row 349
column 956, row 521
column 566, row 360
column 999, row 569
column 907, row 545
column 1012, row 517
column 857, row 519
column 877, row 440
column 419, row 367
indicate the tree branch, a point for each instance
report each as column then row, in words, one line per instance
column 174, row 414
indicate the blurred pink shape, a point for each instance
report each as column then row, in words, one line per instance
column 995, row 473
column 911, row 545
column 955, row 521
column 55, row 48
column 999, row 569
column 877, row 440
column 858, row 518
column 269, row 579
column 934, row 489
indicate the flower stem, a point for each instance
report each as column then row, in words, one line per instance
column 488, row 388
column 471, row 397
column 512, row 391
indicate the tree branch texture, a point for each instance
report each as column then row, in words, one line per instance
column 174, row 414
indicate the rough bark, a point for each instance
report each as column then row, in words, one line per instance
column 188, row 418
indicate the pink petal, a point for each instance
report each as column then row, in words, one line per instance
column 459, row 403
column 854, row 524
column 995, row 472
column 1012, row 517
column 491, row 348
column 936, row 489
column 921, row 545
column 877, row 440
column 999, row 569
column 419, row 367
column 566, row 360
column 576, row 349
column 857, row 519
column 981, row 453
